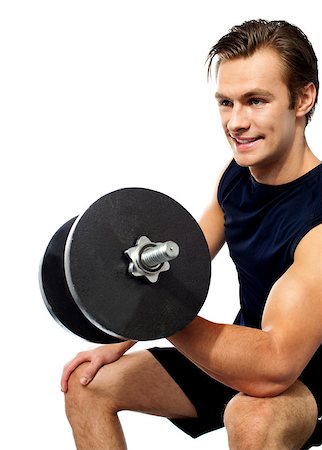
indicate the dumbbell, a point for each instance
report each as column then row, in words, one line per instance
column 135, row 265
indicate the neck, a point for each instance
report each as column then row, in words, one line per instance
column 292, row 166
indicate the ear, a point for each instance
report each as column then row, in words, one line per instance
column 306, row 100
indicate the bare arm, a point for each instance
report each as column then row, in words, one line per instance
column 266, row 362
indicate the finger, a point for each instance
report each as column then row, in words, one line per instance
column 65, row 377
column 91, row 371
column 69, row 369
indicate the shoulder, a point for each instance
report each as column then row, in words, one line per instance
column 307, row 205
column 306, row 273
column 309, row 250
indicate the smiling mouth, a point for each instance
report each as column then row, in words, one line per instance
column 245, row 141
column 245, row 144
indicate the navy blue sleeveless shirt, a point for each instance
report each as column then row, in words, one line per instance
column 263, row 226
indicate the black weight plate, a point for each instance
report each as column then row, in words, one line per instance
column 57, row 296
column 97, row 269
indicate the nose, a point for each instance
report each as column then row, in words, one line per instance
column 238, row 120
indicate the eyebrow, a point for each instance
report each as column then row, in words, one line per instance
column 249, row 94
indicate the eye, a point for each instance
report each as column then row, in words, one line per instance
column 256, row 101
column 226, row 103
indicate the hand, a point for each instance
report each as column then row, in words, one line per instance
column 98, row 357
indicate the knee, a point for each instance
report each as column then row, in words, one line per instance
column 248, row 419
column 77, row 395
column 79, row 399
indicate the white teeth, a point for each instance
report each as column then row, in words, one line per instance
column 245, row 141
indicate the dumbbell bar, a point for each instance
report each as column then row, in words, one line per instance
column 106, row 276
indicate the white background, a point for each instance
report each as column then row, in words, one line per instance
column 95, row 96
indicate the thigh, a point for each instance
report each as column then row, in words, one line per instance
column 289, row 418
column 208, row 396
column 137, row 382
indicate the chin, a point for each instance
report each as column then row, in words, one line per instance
column 244, row 161
column 251, row 159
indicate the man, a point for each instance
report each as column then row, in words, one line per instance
column 267, row 367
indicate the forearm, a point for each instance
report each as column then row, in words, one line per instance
column 243, row 358
column 126, row 345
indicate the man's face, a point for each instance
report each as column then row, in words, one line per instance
column 253, row 102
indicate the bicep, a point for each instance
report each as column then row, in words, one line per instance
column 293, row 312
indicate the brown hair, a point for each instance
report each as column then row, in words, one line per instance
column 296, row 52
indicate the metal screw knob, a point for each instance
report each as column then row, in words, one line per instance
column 149, row 258
column 160, row 253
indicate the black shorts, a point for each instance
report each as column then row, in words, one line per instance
column 208, row 396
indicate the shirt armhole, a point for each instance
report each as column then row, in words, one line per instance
column 306, row 229
column 224, row 181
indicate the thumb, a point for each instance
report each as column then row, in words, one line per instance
column 85, row 380
column 90, row 373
